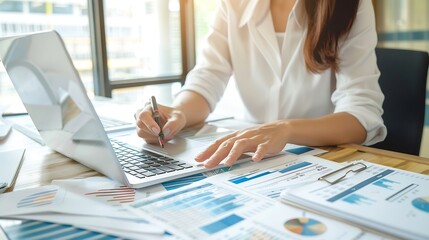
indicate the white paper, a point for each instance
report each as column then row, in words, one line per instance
column 390, row 200
column 55, row 199
column 120, row 227
column 272, row 176
column 212, row 210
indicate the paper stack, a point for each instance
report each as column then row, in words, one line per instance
column 94, row 204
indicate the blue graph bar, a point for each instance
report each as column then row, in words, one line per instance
column 384, row 183
column 51, row 229
column 360, row 185
column 45, row 230
column 181, row 182
column 246, row 178
column 225, row 208
column 28, row 226
column 184, row 203
column 219, row 201
column 107, row 238
column 85, row 235
column 145, row 203
column 358, row 200
column 221, row 170
column 71, row 231
column 200, row 201
column 294, row 167
column 222, row 224
column 299, row 150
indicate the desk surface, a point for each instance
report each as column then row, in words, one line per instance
column 42, row 165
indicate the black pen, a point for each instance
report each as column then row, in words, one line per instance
column 156, row 116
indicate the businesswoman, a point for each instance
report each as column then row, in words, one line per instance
column 305, row 70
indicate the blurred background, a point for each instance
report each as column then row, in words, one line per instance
column 132, row 49
column 404, row 24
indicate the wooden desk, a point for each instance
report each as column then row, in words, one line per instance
column 42, row 165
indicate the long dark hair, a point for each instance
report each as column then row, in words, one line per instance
column 328, row 21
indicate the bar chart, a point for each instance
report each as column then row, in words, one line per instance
column 38, row 199
column 381, row 197
column 270, row 182
column 29, row 229
column 210, row 209
column 206, row 207
column 120, row 195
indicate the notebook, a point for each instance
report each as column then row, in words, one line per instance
column 10, row 164
column 53, row 94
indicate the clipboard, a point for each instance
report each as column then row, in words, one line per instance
column 392, row 201
column 339, row 174
column 10, row 164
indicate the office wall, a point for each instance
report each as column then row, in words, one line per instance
column 405, row 24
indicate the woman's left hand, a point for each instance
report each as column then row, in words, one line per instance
column 262, row 140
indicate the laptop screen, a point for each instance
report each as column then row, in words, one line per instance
column 50, row 88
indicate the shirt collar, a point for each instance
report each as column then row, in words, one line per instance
column 257, row 9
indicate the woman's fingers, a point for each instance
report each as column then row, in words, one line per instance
column 212, row 148
column 220, row 153
column 240, row 146
column 146, row 126
column 176, row 122
column 231, row 150
column 172, row 121
column 262, row 140
column 260, row 152
column 145, row 119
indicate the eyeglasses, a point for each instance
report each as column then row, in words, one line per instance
column 337, row 175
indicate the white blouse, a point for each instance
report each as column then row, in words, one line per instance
column 280, row 37
column 273, row 83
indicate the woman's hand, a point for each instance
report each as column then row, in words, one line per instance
column 172, row 121
column 262, row 140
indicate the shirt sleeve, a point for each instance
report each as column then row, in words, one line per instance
column 358, row 92
column 211, row 74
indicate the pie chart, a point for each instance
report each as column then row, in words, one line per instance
column 305, row 226
column 421, row 204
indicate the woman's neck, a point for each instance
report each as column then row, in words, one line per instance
column 280, row 10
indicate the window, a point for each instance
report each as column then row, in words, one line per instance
column 116, row 45
column 17, row 18
column 37, row 7
column 11, row 6
column 62, row 8
column 143, row 38
column 204, row 12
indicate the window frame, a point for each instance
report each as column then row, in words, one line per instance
column 102, row 84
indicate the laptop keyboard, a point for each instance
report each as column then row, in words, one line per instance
column 143, row 164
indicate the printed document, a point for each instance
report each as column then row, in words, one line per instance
column 209, row 209
column 383, row 198
column 272, row 176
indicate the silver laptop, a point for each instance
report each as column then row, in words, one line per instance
column 50, row 88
